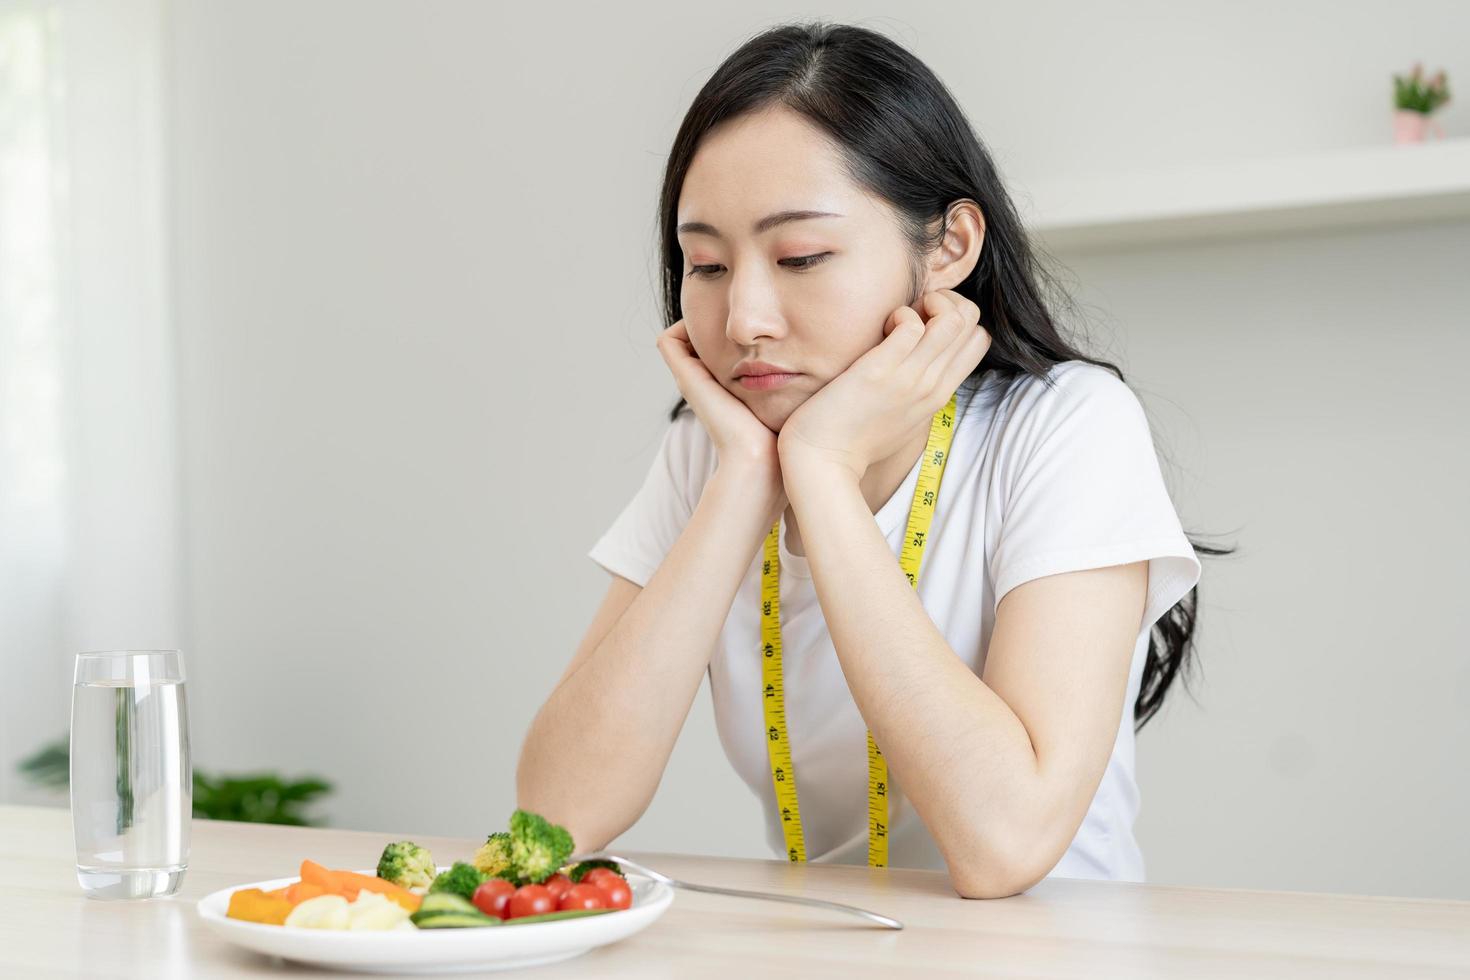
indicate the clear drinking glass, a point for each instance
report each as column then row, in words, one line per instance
column 132, row 785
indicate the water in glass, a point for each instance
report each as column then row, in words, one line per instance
column 131, row 779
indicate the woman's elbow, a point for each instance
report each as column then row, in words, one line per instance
column 993, row 882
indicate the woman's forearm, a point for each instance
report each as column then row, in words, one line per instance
column 597, row 749
column 964, row 759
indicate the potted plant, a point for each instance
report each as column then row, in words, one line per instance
column 1414, row 100
column 252, row 797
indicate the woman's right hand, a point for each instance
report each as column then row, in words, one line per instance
column 740, row 438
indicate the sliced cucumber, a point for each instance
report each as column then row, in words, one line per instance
column 441, row 905
column 456, row 920
column 435, row 903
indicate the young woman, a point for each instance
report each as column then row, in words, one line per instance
column 920, row 545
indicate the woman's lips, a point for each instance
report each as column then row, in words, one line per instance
column 762, row 382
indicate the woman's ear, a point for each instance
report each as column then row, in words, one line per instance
column 959, row 249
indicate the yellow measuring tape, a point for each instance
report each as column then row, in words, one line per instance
column 783, row 774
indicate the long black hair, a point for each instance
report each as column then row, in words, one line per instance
column 903, row 137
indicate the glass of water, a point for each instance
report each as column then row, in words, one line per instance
column 132, row 785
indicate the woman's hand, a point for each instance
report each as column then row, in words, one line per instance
column 868, row 411
column 740, row 438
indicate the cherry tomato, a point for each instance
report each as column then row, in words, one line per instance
column 615, row 889
column 531, row 900
column 493, row 896
column 582, row 896
column 597, row 874
column 558, row 884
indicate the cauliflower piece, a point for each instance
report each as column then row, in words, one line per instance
column 322, row 912
column 373, row 910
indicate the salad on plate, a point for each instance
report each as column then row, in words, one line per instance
column 518, row 876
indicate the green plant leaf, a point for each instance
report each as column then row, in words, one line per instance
column 263, row 797
column 50, row 765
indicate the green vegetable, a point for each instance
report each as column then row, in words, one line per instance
column 442, row 910
column 493, row 857
column 462, row 879
column 437, row 903
column 549, row 916
column 537, row 846
column 407, row 865
column 456, row 920
column 579, row 871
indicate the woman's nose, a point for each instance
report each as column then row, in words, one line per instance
column 754, row 312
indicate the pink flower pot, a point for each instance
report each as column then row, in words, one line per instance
column 1410, row 126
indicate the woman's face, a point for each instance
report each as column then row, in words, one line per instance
column 748, row 297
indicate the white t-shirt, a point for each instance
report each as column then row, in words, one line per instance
column 1040, row 480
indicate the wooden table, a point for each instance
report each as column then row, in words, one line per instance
column 1060, row 928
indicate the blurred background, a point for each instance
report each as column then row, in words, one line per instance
column 326, row 353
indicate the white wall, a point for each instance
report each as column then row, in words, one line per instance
column 414, row 286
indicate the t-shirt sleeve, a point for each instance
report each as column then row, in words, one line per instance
column 1083, row 489
column 643, row 534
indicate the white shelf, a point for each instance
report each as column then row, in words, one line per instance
column 1357, row 187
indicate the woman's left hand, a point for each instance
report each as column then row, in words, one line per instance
column 871, row 409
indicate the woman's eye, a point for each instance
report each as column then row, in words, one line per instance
column 798, row 263
column 807, row 261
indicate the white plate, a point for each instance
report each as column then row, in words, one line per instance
column 437, row 950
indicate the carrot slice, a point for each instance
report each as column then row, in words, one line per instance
column 349, row 883
column 302, row 890
column 315, row 873
column 351, row 880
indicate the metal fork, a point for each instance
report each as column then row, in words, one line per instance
column 881, row 920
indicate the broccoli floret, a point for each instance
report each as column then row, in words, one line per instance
column 537, row 847
column 493, row 857
column 462, row 879
column 579, row 871
column 407, row 865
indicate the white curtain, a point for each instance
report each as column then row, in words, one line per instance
column 90, row 516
